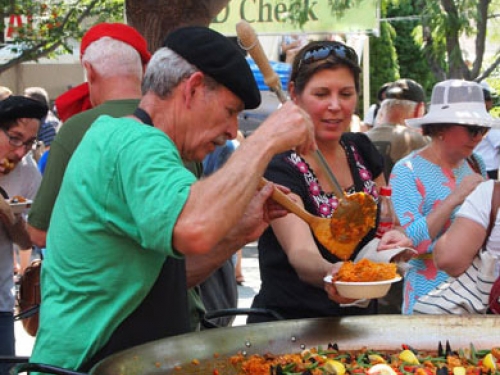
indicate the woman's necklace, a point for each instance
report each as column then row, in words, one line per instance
column 434, row 154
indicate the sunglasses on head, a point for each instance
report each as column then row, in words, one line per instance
column 322, row 52
column 475, row 130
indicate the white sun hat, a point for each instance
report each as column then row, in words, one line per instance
column 456, row 102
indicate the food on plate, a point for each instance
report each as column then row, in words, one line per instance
column 332, row 361
column 18, row 199
column 365, row 271
column 7, row 165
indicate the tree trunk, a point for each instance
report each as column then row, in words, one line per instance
column 154, row 19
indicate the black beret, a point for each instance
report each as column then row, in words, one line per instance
column 15, row 107
column 215, row 55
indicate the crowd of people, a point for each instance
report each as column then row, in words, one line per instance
column 143, row 198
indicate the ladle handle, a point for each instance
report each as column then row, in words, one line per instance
column 286, row 202
column 332, row 180
column 249, row 42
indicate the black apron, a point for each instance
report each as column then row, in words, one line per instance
column 163, row 312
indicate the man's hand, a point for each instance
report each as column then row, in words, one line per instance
column 261, row 210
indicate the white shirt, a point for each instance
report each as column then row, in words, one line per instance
column 477, row 207
column 489, row 149
column 24, row 180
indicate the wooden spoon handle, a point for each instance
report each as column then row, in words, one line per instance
column 289, row 204
column 250, row 42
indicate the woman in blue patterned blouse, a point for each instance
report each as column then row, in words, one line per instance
column 430, row 184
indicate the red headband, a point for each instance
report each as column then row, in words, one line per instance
column 118, row 31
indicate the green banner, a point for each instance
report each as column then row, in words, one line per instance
column 270, row 17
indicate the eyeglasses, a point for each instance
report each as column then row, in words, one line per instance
column 322, row 52
column 18, row 142
column 474, row 130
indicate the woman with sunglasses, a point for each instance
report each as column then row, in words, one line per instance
column 324, row 82
column 430, row 184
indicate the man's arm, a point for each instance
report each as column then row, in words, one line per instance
column 258, row 214
column 41, row 209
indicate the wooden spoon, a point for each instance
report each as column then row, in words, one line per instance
column 356, row 213
column 321, row 227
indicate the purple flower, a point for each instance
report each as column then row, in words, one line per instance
column 364, row 174
column 302, row 167
column 325, row 209
column 334, row 202
column 314, row 188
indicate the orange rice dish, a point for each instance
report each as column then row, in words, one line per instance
column 365, row 270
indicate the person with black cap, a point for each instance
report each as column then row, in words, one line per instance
column 132, row 229
column 404, row 99
column 19, row 122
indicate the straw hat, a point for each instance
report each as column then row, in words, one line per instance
column 456, row 102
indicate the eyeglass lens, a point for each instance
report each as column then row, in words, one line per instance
column 474, row 131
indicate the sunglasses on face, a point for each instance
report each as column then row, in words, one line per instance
column 474, row 131
column 322, row 52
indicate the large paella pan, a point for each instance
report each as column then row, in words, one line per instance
column 202, row 352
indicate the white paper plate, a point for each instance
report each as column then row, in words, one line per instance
column 363, row 290
column 20, row 207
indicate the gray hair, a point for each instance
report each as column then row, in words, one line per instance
column 387, row 105
column 166, row 70
column 111, row 57
column 406, row 105
column 37, row 93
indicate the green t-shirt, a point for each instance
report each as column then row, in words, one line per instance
column 106, row 242
column 61, row 150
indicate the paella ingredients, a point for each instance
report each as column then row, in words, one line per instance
column 409, row 357
column 366, row 270
column 381, row 369
column 332, row 361
column 489, row 362
column 333, row 367
column 496, row 353
column 348, row 227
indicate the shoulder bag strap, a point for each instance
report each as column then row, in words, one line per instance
column 495, row 204
column 474, row 164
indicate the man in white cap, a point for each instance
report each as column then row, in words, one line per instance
column 404, row 99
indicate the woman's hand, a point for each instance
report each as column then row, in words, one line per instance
column 468, row 184
column 394, row 238
column 332, row 291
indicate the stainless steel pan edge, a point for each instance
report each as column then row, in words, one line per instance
column 175, row 355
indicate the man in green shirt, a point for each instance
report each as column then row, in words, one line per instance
column 132, row 228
